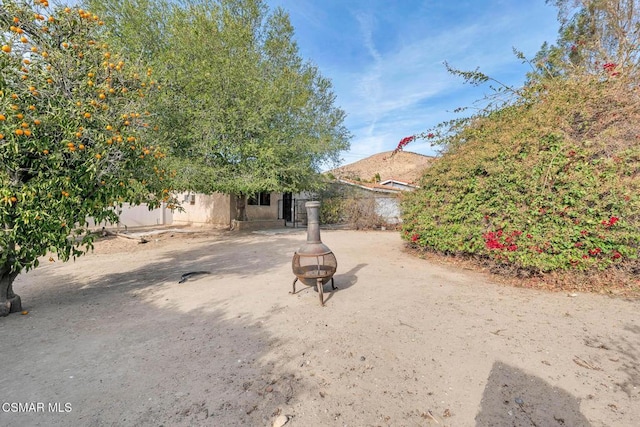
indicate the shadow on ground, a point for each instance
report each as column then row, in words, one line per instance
column 239, row 257
column 515, row 398
column 97, row 349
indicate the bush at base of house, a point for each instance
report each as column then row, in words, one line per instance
column 549, row 184
column 357, row 213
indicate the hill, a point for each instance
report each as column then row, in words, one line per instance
column 404, row 166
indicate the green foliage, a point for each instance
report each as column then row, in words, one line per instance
column 75, row 139
column 332, row 210
column 243, row 112
column 548, row 183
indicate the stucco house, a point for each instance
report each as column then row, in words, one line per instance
column 220, row 210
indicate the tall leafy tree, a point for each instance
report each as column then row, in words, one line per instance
column 75, row 140
column 241, row 110
column 594, row 35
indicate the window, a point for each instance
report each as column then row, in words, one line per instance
column 260, row 199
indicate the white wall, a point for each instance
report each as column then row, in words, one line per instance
column 389, row 209
column 139, row 216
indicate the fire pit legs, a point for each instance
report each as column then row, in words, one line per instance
column 319, row 287
column 320, row 291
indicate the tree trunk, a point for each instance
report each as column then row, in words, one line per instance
column 241, row 207
column 9, row 301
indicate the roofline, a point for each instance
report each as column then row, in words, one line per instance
column 365, row 187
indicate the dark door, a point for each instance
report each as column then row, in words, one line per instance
column 287, row 205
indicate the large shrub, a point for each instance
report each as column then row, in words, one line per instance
column 548, row 183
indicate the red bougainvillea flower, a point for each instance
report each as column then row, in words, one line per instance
column 616, row 255
column 403, row 142
column 609, row 66
column 491, row 240
column 595, row 251
column 415, row 237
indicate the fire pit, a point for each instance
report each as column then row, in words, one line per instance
column 314, row 264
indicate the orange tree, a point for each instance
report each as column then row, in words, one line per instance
column 75, row 141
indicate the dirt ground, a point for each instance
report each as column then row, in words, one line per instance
column 113, row 339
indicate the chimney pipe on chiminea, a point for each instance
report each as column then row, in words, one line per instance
column 314, row 264
column 313, row 222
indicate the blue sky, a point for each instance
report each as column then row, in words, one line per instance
column 385, row 58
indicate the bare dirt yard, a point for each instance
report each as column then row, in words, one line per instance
column 113, row 339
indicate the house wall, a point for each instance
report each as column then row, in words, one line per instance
column 255, row 212
column 389, row 209
column 139, row 216
column 201, row 209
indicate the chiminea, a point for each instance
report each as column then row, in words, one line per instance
column 314, row 264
